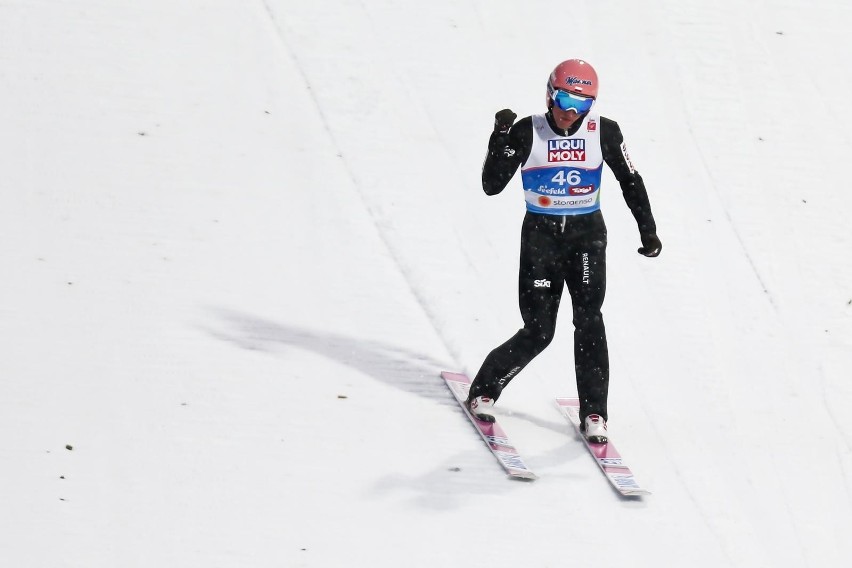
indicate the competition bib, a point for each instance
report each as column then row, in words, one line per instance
column 562, row 175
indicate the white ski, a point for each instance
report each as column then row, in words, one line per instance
column 493, row 434
column 607, row 456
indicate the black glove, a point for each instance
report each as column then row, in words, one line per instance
column 651, row 245
column 504, row 120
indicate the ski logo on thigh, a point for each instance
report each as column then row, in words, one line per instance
column 543, row 283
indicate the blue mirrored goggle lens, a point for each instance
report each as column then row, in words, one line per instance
column 570, row 101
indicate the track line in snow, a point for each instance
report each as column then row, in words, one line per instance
column 281, row 35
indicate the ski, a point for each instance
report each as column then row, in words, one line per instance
column 607, row 456
column 493, row 434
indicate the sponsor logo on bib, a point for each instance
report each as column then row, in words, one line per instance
column 582, row 189
column 566, row 150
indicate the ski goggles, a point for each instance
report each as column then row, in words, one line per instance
column 569, row 101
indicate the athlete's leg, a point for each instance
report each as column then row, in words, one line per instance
column 540, row 283
column 587, row 285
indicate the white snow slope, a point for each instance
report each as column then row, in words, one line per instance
column 241, row 239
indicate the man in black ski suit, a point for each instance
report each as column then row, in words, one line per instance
column 563, row 239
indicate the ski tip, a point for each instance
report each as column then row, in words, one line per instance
column 637, row 493
column 523, row 475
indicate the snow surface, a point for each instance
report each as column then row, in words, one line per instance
column 241, row 239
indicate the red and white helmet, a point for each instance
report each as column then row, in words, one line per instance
column 573, row 76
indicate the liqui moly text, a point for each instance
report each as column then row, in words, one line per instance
column 566, row 150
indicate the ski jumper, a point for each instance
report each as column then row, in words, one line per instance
column 563, row 243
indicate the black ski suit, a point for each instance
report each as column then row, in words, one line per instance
column 557, row 249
